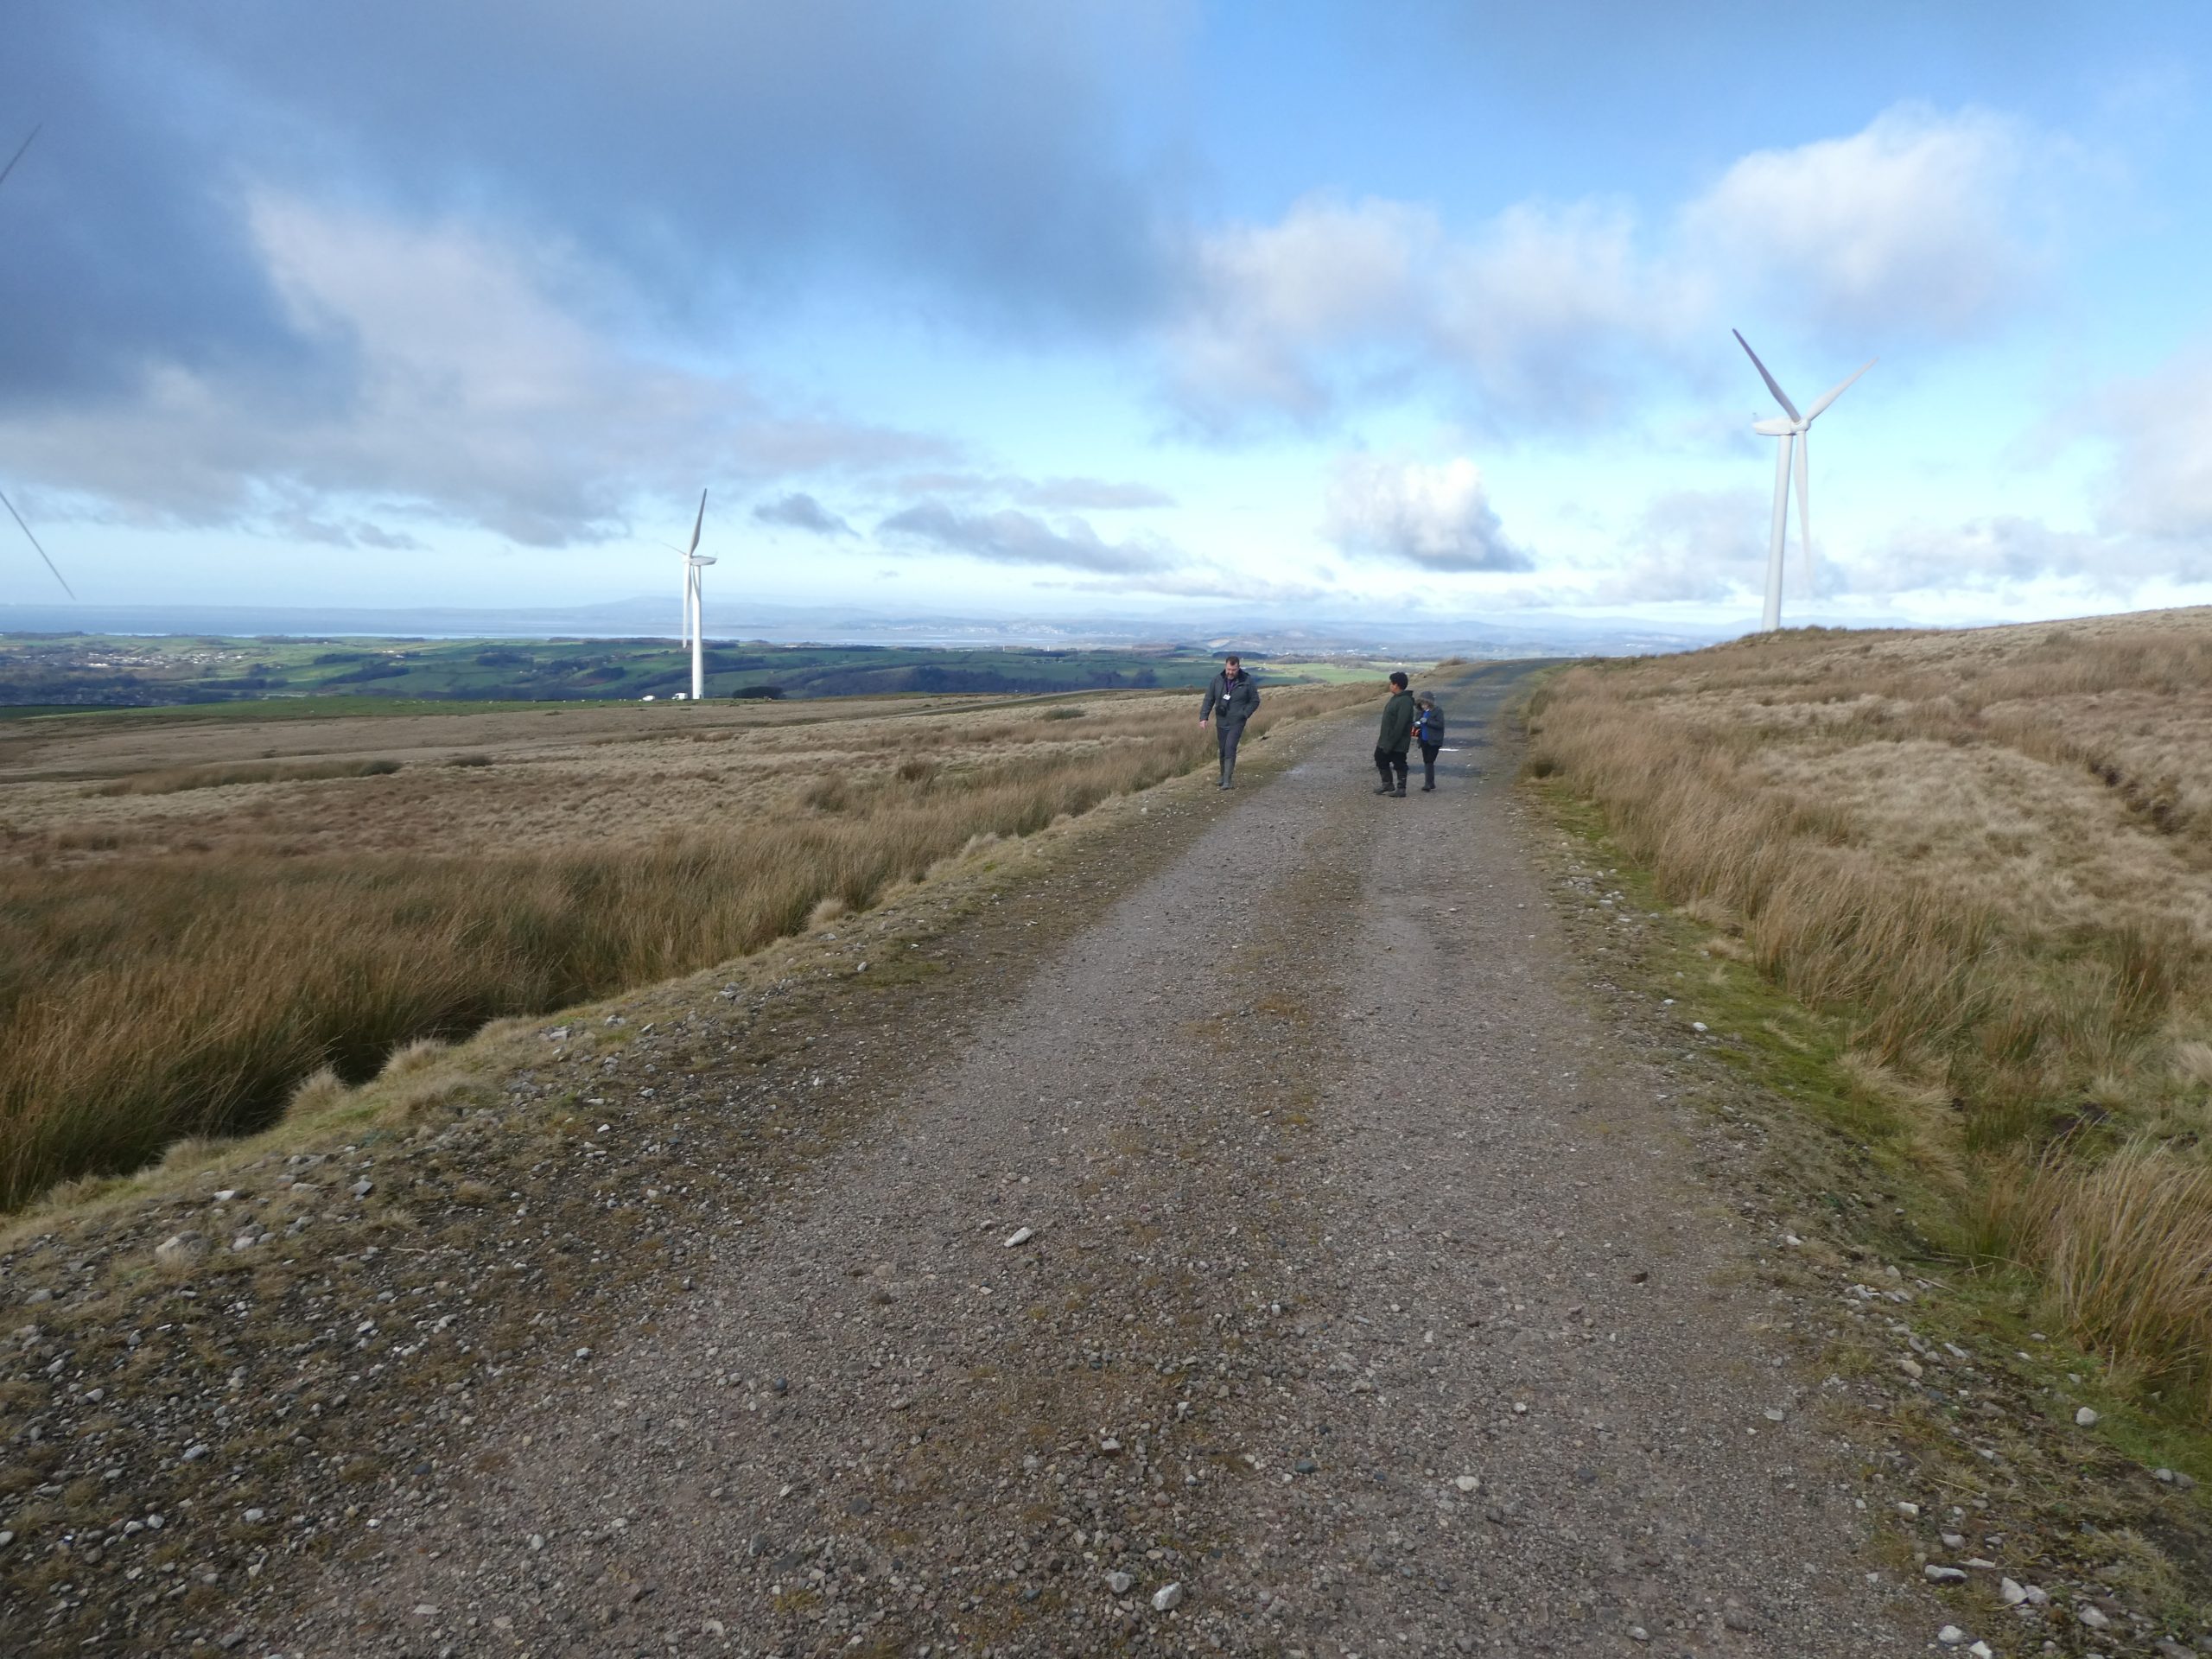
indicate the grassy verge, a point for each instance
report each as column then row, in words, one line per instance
column 1957, row 1362
column 145, row 1000
column 1984, row 857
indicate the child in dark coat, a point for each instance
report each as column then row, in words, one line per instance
column 1428, row 732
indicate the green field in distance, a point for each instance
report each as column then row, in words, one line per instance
column 49, row 672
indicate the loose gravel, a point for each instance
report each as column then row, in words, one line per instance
column 1289, row 1264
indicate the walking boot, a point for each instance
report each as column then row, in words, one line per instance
column 1400, row 791
column 1384, row 788
column 1429, row 788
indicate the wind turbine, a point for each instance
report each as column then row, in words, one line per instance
column 1793, row 432
column 694, row 609
column 4, row 501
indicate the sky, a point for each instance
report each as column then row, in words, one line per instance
column 1142, row 309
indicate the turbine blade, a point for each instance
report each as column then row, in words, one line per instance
column 1780, row 396
column 26, row 529
column 696, row 524
column 1805, row 504
column 18, row 155
column 1838, row 389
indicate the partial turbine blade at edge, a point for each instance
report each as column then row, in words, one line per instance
column 1780, row 396
column 697, row 524
column 1805, row 504
column 26, row 529
column 1839, row 389
column 18, row 155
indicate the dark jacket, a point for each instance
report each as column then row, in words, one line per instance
column 1236, row 699
column 1397, row 724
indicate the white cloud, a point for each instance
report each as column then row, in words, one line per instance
column 1920, row 222
column 1437, row 517
column 1011, row 537
column 1700, row 545
column 2002, row 555
column 1271, row 300
column 2160, row 426
column 1552, row 311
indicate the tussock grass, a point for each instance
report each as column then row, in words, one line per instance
column 2125, row 1248
column 1990, row 853
column 150, row 998
column 174, row 780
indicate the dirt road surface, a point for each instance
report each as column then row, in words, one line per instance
column 1294, row 1267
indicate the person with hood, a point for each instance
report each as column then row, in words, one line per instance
column 1233, row 694
column 1395, row 737
column 1428, row 732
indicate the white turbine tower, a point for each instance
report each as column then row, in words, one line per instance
column 1795, row 442
column 4, row 501
column 695, row 606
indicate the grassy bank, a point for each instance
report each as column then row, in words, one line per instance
column 166, row 987
column 1987, row 856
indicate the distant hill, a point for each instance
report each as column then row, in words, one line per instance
column 1525, row 634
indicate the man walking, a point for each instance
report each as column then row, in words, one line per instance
column 1395, row 738
column 1233, row 695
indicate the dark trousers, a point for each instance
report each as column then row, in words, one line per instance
column 1389, row 760
column 1428, row 753
column 1230, row 732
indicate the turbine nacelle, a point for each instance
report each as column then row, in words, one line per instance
column 1779, row 427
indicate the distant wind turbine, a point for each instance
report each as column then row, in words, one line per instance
column 4, row 501
column 1794, row 433
column 695, row 602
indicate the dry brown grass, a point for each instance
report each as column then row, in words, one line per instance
column 1992, row 852
column 169, row 985
column 2125, row 1248
column 174, row 780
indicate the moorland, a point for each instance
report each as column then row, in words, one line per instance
column 201, row 916
column 1986, row 860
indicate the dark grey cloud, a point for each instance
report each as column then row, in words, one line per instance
column 480, row 398
column 720, row 156
column 1011, row 537
column 305, row 526
column 123, row 239
column 388, row 540
column 799, row 511
column 181, row 339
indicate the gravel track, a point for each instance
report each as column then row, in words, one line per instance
column 1338, row 1199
